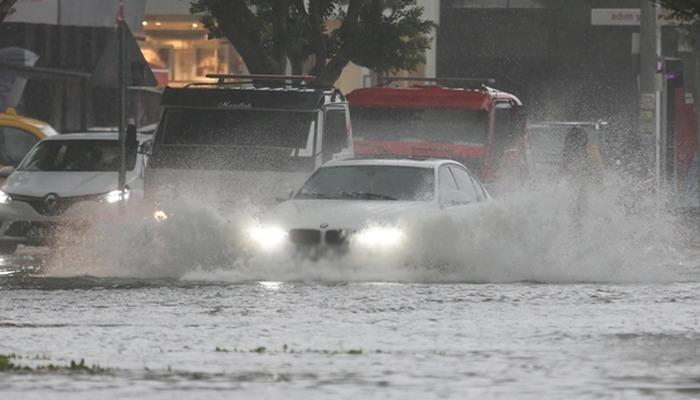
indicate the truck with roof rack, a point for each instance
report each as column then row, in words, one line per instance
column 244, row 137
column 474, row 124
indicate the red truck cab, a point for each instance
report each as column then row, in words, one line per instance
column 481, row 127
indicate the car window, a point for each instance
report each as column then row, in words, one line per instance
column 480, row 191
column 335, row 135
column 14, row 144
column 464, row 183
column 447, row 182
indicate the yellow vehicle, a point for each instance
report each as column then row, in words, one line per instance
column 17, row 135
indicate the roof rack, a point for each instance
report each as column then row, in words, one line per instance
column 467, row 82
column 242, row 79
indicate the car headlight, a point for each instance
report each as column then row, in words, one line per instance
column 268, row 237
column 379, row 236
column 4, row 197
column 116, row 196
column 160, row 216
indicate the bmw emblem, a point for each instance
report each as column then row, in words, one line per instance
column 324, row 225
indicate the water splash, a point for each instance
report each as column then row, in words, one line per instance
column 528, row 235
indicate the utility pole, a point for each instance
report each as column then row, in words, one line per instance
column 649, row 96
column 121, row 34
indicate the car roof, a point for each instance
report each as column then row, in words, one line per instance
column 94, row 136
column 396, row 162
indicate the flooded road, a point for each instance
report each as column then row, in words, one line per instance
column 190, row 339
column 514, row 305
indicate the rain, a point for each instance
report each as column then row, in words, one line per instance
column 349, row 198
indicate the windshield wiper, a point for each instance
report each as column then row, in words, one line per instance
column 367, row 195
column 314, row 195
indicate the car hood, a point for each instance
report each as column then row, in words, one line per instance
column 64, row 184
column 341, row 214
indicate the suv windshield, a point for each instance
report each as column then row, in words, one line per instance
column 77, row 155
column 439, row 125
column 253, row 128
column 370, row 182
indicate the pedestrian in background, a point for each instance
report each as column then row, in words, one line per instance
column 582, row 167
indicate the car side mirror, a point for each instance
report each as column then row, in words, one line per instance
column 145, row 148
column 6, row 171
column 455, row 198
column 286, row 197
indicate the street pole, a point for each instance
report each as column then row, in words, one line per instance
column 121, row 34
column 649, row 127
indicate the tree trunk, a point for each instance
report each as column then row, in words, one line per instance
column 237, row 23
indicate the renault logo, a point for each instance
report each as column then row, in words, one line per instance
column 50, row 201
column 324, row 225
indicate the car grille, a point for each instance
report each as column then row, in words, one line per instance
column 306, row 237
column 335, row 237
column 27, row 229
column 58, row 207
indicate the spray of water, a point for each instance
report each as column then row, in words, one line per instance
column 531, row 234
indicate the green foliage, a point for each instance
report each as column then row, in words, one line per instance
column 6, row 8
column 370, row 33
column 687, row 11
column 6, row 365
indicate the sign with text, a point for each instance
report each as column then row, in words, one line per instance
column 625, row 17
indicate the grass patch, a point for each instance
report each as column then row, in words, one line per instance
column 6, row 365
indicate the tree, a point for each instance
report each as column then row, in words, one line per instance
column 6, row 8
column 371, row 33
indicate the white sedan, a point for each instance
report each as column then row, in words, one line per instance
column 61, row 179
column 362, row 203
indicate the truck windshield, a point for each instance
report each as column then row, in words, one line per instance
column 437, row 125
column 77, row 155
column 370, row 182
column 246, row 128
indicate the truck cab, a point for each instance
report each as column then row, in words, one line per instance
column 477, row 125
column 244, row 138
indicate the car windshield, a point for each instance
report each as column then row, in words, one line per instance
column 439, row 125
column 77, row 155
column 370, row 182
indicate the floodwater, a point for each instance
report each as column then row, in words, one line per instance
column 515, row 307
column 160, row 339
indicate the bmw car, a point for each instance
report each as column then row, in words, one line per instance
column 362, row 204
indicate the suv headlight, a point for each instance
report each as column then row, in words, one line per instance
column 116, row 196
column 4, row 197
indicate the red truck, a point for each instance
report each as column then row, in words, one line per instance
column 483, row 128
